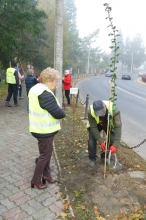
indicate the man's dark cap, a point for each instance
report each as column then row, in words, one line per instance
column 98, row 107
column 13, row 64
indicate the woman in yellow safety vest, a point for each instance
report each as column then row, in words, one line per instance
column 44, row 123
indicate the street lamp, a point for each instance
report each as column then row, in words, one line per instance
column 88, row 60
column 131, row 63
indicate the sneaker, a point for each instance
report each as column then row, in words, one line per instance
column 91, row 163
column 16, row 105
column 7, row 104
column 21, row 97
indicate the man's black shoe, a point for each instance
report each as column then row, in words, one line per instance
column 102, row 155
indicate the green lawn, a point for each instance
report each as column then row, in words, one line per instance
column 3, row 89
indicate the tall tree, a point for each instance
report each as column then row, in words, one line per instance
column 32, row 48
column 127, row 54
column 134, row 53
column 71, row 38
column 49, row 7
column 106, row 58
column 89, row 55
column 137, row 51
column 120, row 42
column 17, row 16
column 58, row 46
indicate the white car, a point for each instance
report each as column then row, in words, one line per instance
column 109, row 73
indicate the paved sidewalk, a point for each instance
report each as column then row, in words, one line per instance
column 18, row 150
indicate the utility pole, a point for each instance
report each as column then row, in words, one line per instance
column 131, row 63
column 88, row 60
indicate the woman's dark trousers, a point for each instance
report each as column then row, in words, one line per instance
column 43, row 164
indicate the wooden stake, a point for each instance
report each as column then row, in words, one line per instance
column 107, row 135
column 73, row 117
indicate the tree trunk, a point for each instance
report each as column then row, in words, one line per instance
column 58, row 46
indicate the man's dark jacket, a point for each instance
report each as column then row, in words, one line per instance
column 117, row 127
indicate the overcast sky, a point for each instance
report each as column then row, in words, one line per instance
column 128, row 15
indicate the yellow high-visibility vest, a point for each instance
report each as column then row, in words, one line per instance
column 40, row 120
column 109, row 106
column 10, row 78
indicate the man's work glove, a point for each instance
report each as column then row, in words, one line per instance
column 113, row 149
column 102, row 144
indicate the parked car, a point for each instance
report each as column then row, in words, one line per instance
column 126, row 75
column 106, row 70
column 141, row 73
column 109, row 73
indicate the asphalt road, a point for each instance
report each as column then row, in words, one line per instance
column 131, row 100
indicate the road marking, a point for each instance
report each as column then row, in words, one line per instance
column 137, row 96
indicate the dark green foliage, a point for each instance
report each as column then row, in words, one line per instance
column 76, row 50
column 73, row 41
column 17, row 17
column 31, row 47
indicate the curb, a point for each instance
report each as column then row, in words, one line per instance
column 139, row 81
column 59, row 168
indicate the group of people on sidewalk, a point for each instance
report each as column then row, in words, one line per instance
column 45, row 114
column 14, row 78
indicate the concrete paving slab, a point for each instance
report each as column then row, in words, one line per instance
column 137, row 174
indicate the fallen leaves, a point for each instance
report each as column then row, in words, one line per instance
column 66, row 205
column 63, row 214
column 137, row 166
column 97, row 214
column 77, row 193
column 76, row 175
column 96, row 211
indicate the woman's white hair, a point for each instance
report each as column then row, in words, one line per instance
column 66, row 71
column 30, row 72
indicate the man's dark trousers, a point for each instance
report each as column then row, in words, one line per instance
column 12, row 89
column 92, row 142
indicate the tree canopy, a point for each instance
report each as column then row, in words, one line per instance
column 18, row 19
column 132, row 52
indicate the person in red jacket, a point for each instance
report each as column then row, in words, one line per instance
column 67, row 85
